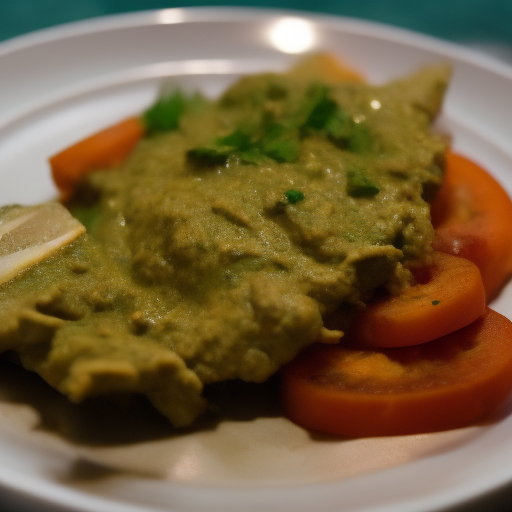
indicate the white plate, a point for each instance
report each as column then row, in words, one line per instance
column 61, row 84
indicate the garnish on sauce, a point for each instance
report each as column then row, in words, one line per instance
column 294, row 196
column 198, row 269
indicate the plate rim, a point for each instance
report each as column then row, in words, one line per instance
column 210, row 14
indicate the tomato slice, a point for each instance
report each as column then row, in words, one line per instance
column 472, row 216
column 447, row 383
column 450, row 296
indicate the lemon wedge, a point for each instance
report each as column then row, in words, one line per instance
column 30, row 234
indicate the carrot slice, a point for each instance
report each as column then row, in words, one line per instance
column 472, row 216
column 325, row 67
column 103, row 150
column 447, row 383
column 450, row 296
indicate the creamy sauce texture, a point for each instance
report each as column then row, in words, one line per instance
column 218, row 249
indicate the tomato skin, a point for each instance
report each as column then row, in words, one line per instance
column 451, row 297
column 447, row 383
column 472, row 216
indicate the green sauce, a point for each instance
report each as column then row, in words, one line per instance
column 216, row 251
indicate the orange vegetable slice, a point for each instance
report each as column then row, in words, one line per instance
column 472, row 216
column 447, row 383
column 103, row 150
column 450, row 296
column 325, row 67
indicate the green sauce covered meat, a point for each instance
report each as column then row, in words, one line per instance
column 219, row 247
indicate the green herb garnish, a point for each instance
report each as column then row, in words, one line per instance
column 279, row 138
column 280, row 142
column 294, row 196
column 165, row 114
column 237, row 143
column 210, row 155
column 277, row 143
column 323, row 109
column 360, row 139
column 327, row 116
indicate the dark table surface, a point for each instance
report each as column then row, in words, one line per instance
column 482, row 24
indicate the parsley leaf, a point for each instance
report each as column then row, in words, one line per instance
column 165, row 114
column 277, row 143
column 237, row 143
column 323, row 110
column 210, row 155
column 280, row 138
column 294, row 196
column 327, row 116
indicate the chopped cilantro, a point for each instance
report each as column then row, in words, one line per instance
column 280, row 142
column 237, row 143
column 282, row 150
column 359, row 185
column 251, row 156
column 327, row 116
column 322, row 111
column 277, row 143
column 238, row 140
column 294, row 196
column 210, row 155
column 165, row 113
column 339, row 126
column 279, row 139
column 435, row 302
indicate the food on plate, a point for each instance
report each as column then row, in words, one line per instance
column 448, row 294
column 443, row 384
column 103, row 150
column 471, row 214
column 110, row 147
column 397, row 373
column 224, row 236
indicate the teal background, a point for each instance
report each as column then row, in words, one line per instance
column 486, row 24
